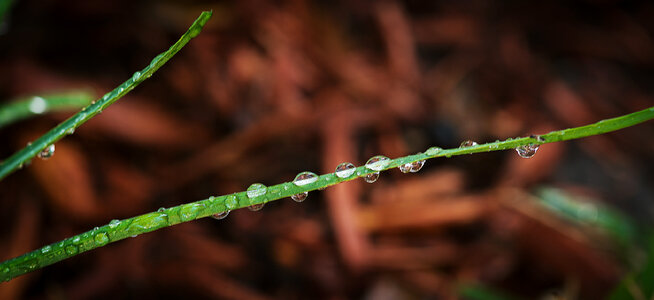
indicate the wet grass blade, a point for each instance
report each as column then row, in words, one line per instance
column 120, row 229
column 24, row 108
column 68, row 126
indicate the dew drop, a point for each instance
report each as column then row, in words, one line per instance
column 416, row 166
column 47, row 152
column 372, row 177
column 527, row 151
column 378, row 163
column 256, row 190
column 300, row 197
column 101, row 239
column 405, row 168
column 114, row 223
column 345, row 170
column 305, row 178
column 231, row 202
column 38, row 105
column 220, row 216
column 46, row 249
column 433, row 150
column 137, row 76
column 70, row 130
column 161, row 209
column 71, row 250
column 468, row 143
column 189, row 211
column 256, row 207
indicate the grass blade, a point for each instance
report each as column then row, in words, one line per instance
column 24, row 155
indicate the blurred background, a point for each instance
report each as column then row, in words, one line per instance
column 270, row 89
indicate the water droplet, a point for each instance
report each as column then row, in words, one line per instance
column 137, row 76
column 96, row 228
column 71, row 250
column 220, row 216
column 256, row 190
column 46, row 249
column 378, row 163
column 527, row 151
column 345, row 170
column 38, row 105
column 300, row 197
column 256, row 207
column 433, row 150
column 231, row 202
column 416, row 166
column 114, row 223
column 101, row 239
column 372, row 177
column 468, row 143
column 189, row 211
column 70, row 130
column 305, row 178
column 47, row 152
column 76, row 239
column 405, row 168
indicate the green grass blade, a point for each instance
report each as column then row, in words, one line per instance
column 117, row 230
column 37, row 105
column 68, row 126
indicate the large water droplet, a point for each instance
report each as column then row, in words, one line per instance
column 38, row 105
column 47, row 152
column 527, row 151
column 256, row 190
column 231, row 202
column 345, row 170
column 71, row 250
column 468, row 143
column 220, row 216
column 416, row 166
column 372, row 177
column 114, row 223
column 101, row 239
column 300, row 197
column 256, row 207
column 405, row 168
column 378, row 163
column 46, row 249
column 433, row 150
column 189, row 211
column 305, row 178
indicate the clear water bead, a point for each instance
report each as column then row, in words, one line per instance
column 101, row 239
column 256, row 190
column 378, row 163
column 305, row 178
column 231, row 202
column 405, row 168
column 468, row 143
column 220, row 216
column 433, row 150
column 527, row 151
column 300, row 197
column 416, row 166
column 345, row 170
column 47, row 152
column 372, row 177
column 256, row 207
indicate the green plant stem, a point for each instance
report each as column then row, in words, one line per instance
column 27, row 107
column 68, row 126
column 117, row 230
